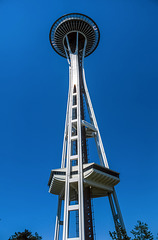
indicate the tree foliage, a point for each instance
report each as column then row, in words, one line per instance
column 26, row 235
column 141, row 231
column 119, row 234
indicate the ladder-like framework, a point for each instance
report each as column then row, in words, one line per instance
column 78, row 181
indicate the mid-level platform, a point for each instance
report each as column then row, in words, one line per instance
column 101, row 180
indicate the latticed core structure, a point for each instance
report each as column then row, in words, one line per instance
column 79, row 180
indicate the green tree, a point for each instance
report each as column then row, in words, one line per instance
column 26, row 235
column 119, row 234
column 141, row 231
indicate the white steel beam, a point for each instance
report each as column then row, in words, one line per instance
column 100, row 147
column 88, row 125
column 73, row 207
column 118, row 209
column 57, row 225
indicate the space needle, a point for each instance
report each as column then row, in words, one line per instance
column 79, row 179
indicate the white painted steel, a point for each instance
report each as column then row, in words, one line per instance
column 66, row 130
column 74, row 157
column 99, row 144
column 113, row 209
column 74, row 80
column 118, row 209
column 73, row 239
column 98, row 185
column 100, row 182
column 88, row 125
column 73, row 207
column 67, row 158
column 57, row 225
column 67, row 186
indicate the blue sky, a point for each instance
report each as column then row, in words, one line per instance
column 122, row 78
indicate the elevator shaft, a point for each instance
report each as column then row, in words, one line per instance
column 88, row 221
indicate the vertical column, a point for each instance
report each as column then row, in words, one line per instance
column 58, row 222
column 67, row 187
column 74, row 154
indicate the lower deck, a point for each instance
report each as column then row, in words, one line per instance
column 101, row 180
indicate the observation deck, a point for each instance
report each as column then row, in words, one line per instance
column 101, row 180
column 70, row 24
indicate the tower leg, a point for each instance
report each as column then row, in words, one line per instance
column 118, row 209
column 98, row 140
column 117, row 216
column 57, row 225
column 112, row 209
column 65, row 131
column 74, row 153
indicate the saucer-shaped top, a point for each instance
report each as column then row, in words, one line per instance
column 74, row 22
